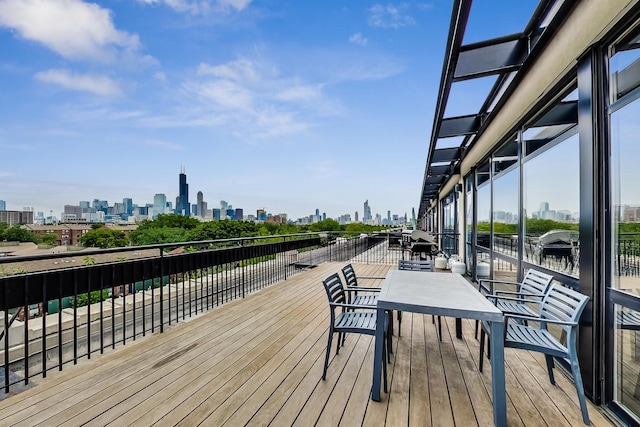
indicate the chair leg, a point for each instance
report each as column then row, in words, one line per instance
column 389, row 344
column 577, row 377
column 550, row 366
column 399, row 322
column 340, row 340
column 326, row 357
column 481, row 362
column 385, row 351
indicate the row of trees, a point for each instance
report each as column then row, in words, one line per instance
column 171, row 228
column 16, row 233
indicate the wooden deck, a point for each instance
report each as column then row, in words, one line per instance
column 259, row 361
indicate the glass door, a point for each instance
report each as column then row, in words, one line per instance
column 624, row 111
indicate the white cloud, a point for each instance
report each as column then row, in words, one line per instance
column 390, row 16
column 239, row 70
column 72, row 28
column 253, row 97
column 358, row 39
column 160, row 76
column 201, row 7
column 100, row 85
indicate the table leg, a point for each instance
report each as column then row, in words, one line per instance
column 458, row 328
column 497, row 375
column 378, row 356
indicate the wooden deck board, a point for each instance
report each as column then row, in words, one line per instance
column 259, row 361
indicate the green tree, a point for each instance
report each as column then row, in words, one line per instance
column 104, row 237
column 326, row 225
column 49, row 238
column 16, row 233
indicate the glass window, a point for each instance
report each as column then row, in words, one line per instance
column 624, row 81
column 450, row 224
column 625, row 152
column 483, row 227
column 552, row 204
column 505, row 199
column 468, row 184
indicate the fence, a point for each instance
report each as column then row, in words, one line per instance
column 45, row 327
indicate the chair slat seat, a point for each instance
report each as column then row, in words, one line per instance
column 356, row 321
column 528, row 338
column 371, row 300
column 515, row 307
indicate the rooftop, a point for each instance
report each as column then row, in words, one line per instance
column 258, row 361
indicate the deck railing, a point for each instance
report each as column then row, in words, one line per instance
column 92, row 301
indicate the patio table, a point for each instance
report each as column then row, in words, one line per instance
column 442, row 294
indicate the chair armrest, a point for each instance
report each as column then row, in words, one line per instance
column 362, row 289
column 491, row 283
column 493, row 297
column 338, row 304
column 508, row 316
column 526, row 294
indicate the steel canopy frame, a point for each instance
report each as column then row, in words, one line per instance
column 501, row 56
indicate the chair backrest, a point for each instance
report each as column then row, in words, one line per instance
column 350, row 276
column 335, row 290
column 565, row 304
column 415, row 265
column 536, row 282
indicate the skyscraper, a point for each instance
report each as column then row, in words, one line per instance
column 159, row 204
column 182, row 201
column 366, row 216
column 200, row 204
column 128, row 205
column 3, row 205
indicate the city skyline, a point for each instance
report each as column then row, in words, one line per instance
column 287, row 104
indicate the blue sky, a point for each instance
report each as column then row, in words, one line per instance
column 287, row 105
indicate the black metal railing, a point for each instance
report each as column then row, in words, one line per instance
column 56, row 311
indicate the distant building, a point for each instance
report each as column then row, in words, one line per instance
column 239, row 214
column 182, row 201
column 16, row 217
column 3, row 205
column 201, row 205
column 159, row 205
column 128, row 205
column 366, row 216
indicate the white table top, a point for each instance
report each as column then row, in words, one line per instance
column 443, row 294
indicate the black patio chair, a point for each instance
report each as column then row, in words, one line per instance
column 351, row 319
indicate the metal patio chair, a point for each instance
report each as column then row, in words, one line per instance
column 360, row 295
column 351, row 319
column 425, row 265
column 535, row 284
column 561, row 306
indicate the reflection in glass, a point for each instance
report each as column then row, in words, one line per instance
column 625, row 228
column 483, row 265
column 468, row 220
column 505, row 213
column 625, row 152
column 450, row 223
column 483, row 227
column 627, row 339
column 552, row 206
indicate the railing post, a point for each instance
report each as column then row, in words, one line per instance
column 161, row 293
